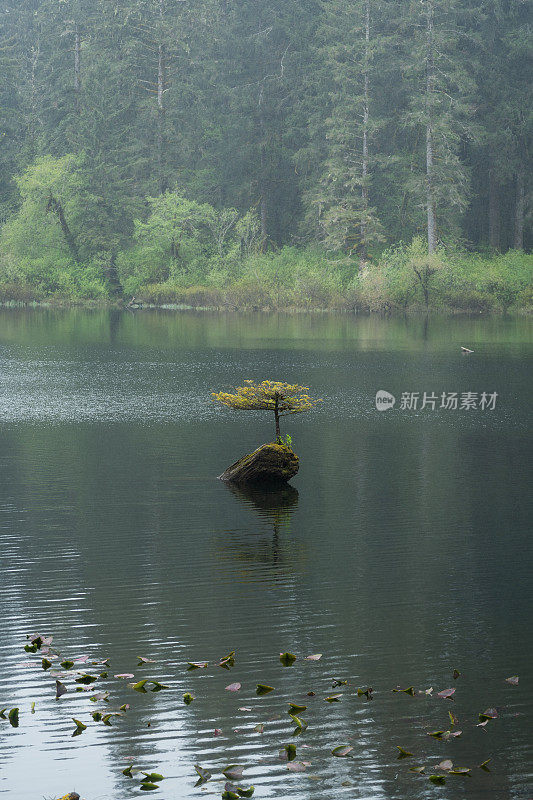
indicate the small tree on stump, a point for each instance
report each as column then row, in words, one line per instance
column 280, row 398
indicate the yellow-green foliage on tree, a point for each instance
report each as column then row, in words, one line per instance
column 280, row 398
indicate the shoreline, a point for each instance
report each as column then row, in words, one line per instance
column 56, row 303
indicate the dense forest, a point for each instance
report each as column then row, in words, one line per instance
column 354, row 152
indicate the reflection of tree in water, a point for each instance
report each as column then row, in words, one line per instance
column 274, row 506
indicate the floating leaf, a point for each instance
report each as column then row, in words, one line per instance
column 453, row 718
column 3, row 713
column 490, row 713
column 97, row 716
column 419, row 770
column 158, row 687
column 192, row 665
column 333, row 698
column 31, row 648
column 124, row 675
column 296, row 709
column 366, row 692
column 106, row 719
column 513, row 680
column 259, row 728
column 86, row 679
column 484, row 764
column 338, row 682
column 46, row 664
column 245, row 792
column 94, row 698
column 127, row 771
column 61, row 689
column 203, row 774
column 139, row 686
column 315, row 657
column 188, row 698
column 403, row 753
column 287, row 659
column 438, row 779
column 217, row 731
column 233, row 687
column 244, row 708
column 263, row 689
column 410, row 690
column 461, row 771
column 13, row 717
column 79, row 725
column 289, row 752
column 153, row 777
column 33, row 708
column 103, row 675
column 149, row 787
column 67, row 664
column 301, row 724
column 228, row 794
column 446, row 694
column 297, row 766
column 445, row 765
column 233, row 772
column 341, row 750
column 453, row 734
column 143, row 660
column 228, row 661
column 125, row 707
column 436, row 734
column 456, row 674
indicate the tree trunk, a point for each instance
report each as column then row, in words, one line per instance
column 77, row 63
column 494, row 211
column 163, row 183
column 262, row 177
column 520, row 204
column 55, row 206
column 364, row 187
column 430, row 85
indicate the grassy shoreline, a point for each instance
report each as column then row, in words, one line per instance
column 402, row 279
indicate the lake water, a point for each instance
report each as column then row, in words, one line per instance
column 402, row 553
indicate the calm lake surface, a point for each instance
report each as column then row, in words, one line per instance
column 402, row 553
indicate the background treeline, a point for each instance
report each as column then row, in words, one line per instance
column 267, row 152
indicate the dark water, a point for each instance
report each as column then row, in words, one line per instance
column 403, row 552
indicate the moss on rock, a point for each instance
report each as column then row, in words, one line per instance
column 270, row 463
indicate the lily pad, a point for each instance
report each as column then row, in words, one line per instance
column 61, row 689
column 13, row 717
column 262, row 689
column 203, row 774
column 410, row 691
column 124, row 675
column 233, row 772
column 446, row 694
column 461, row 771
column 139, row 686
column 484, row 765
column 490, row 713
column 445, row 765
column 300, row 724
column 403, row 753
column 297, row 766
column 296, row 709
column 233, row 687
column 46, row 664
column 333, row 698
column 438, row 779
column 436, row 734
column 315, row 657
column 188, row 698
column 341, row 751
column 192, row 665
column 148, row 787
column 287, row 659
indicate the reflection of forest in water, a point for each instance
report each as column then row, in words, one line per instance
column 269, row 544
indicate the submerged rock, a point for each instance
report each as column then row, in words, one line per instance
column 270, row 463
